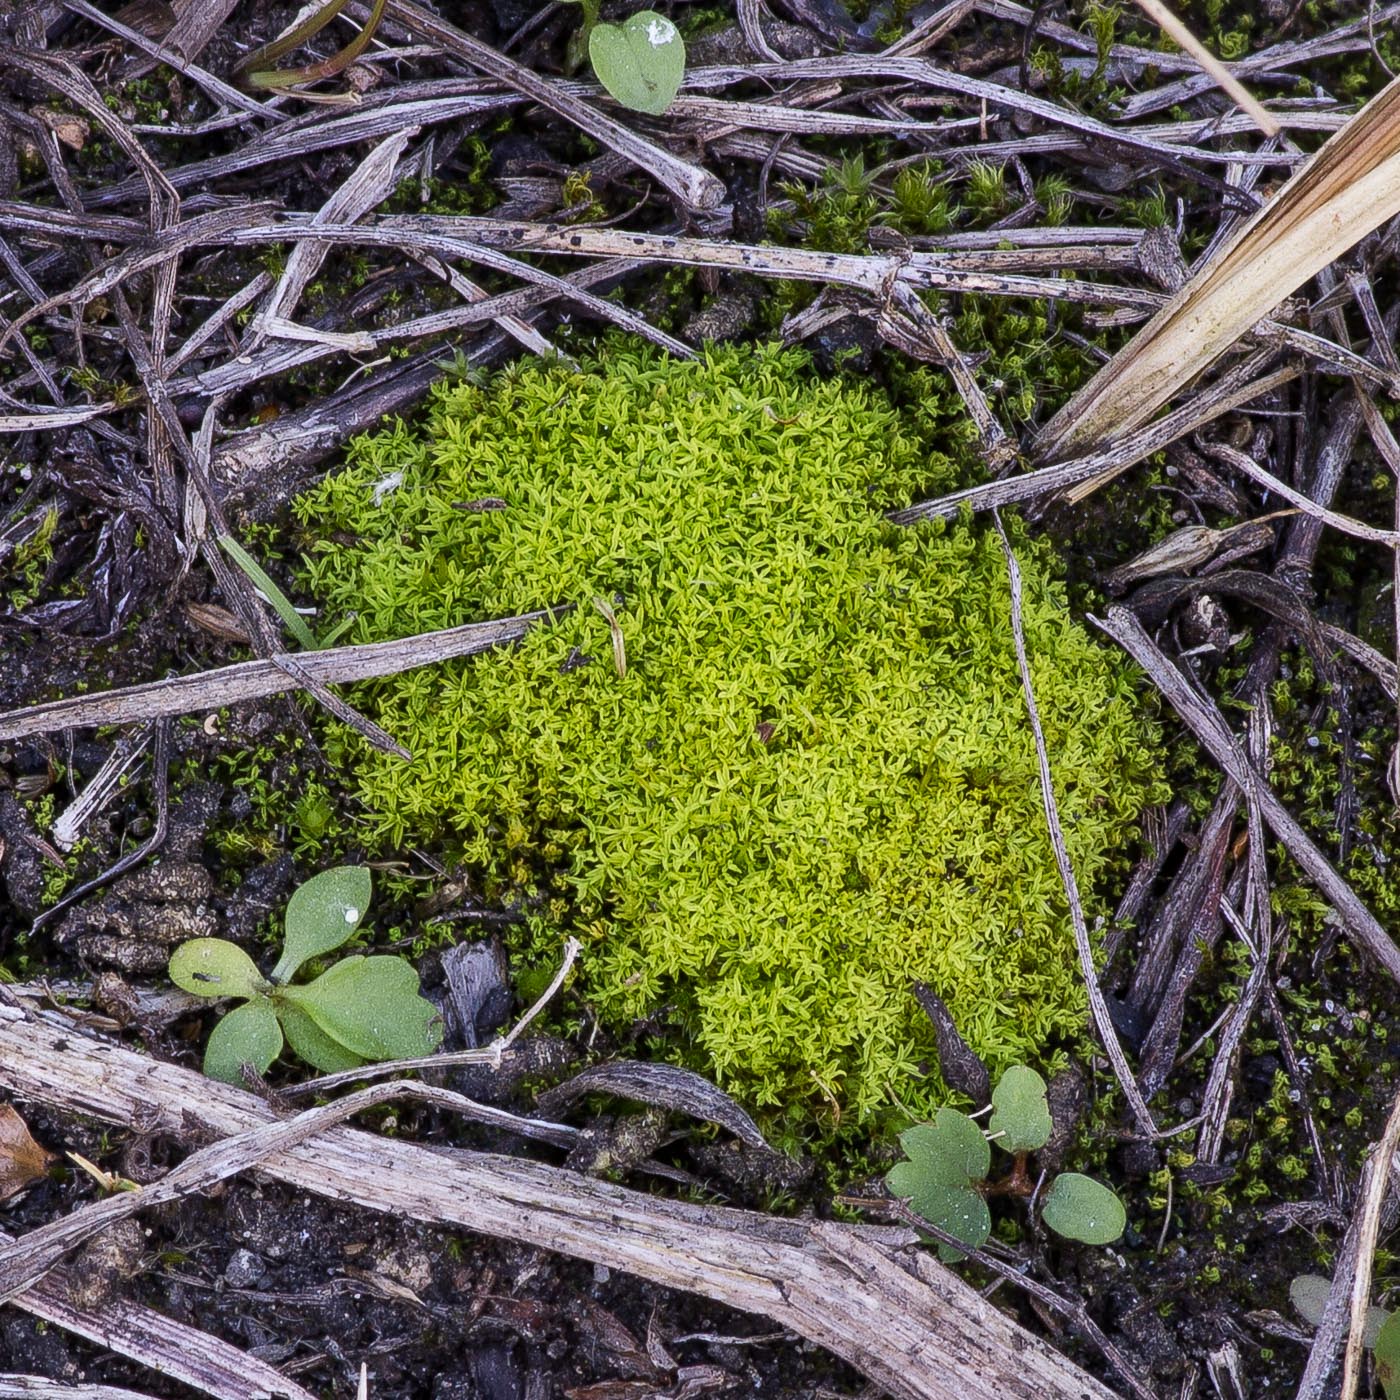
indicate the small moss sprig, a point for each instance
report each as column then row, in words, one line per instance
column 362, row 1009
column 945, row 1176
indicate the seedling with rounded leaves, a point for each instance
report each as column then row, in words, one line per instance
column 948, row 1163
column 1380, row 1331
column 1080, row 1208
column 1387, row 1349
column 641, row 61
column 945, row 1177
column 362, row 1009
column 1020, row 1119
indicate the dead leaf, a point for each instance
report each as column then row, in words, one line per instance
column 72, row 131
column 613, row 1390
column 217, row 621
column 22, row 1160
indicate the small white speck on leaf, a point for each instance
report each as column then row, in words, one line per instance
column 387, row 484
column 660, row 32
column 351, row 914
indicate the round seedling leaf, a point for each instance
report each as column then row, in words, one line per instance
column 249, row 1034
column 214, row 967
column 959, row 1210
column 1308, row 1294
column 1387, row 1345
column 1080, row 1208
column 1020, row 1119
column 307, row 1041
column 1373, row 1324
column 641, row 61
column 372, row 1007
column 321, row 915
column 946, row 1159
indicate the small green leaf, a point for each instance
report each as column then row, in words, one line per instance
column 322, row 914
column 1387, row 1344
column 959, row 1210
column 951, row 1149
column 372, row 1007
column 214, row 967
column 1020, row 1114
column 1388, row 1357
column 1080, row 1208
column 310, row 1043
column 946, row 1158
column 281, row 604
column 1308, row 1293
column 641, row 61
column 249, row 1034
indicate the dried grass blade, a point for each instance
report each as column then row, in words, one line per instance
column 251, row 680
column 371, row 182
column 251, row 75
column 1349, row 188
column 1205, row 721
column 696, row 186
column 172, row 1349
column 1185, row 40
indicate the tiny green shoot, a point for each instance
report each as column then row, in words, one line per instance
column 281, row 604
column 361, row 1009
column 255, row 72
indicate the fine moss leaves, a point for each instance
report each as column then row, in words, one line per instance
column 363, row 1008
column 814, row 785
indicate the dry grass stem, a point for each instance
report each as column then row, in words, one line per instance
column 1098, row 1006
column 929, row 1337
column 1184, row 39
column 1349, row 188
column 249, row 680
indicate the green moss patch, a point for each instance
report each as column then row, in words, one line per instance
column 793, row 775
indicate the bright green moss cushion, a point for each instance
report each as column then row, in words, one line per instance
column 813, row 785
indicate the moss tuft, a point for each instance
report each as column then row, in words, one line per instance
column 811, row 784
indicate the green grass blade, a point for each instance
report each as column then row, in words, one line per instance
column 295, row 623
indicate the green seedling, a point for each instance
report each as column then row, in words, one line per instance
column 362, row 1009
column 640, row 62
column 1381, row 1330
column 281, row 604
column 944, row 1178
